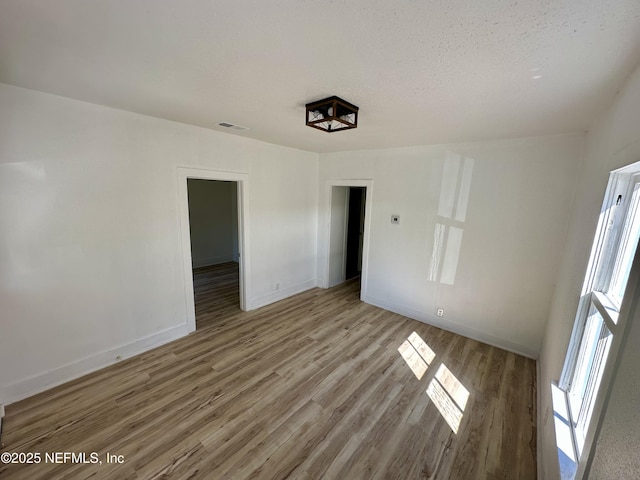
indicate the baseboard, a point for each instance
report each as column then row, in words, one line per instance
column 453, row 327
column 57, row 376
column 281, row 294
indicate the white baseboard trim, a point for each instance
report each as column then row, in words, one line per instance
column 281, row 294
column 453, row 327
column 57, row 376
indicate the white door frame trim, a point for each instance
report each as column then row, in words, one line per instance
column 242, row 179
column 329, row 184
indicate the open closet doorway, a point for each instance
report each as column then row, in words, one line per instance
column 213, row 227
column 213, row 218
column 348, row 234
column 356, row 197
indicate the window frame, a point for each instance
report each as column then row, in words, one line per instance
column 596, row 275
column 606, row 248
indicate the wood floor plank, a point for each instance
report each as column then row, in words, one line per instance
column 312, row 387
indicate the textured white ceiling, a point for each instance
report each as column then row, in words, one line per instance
column 422, row 72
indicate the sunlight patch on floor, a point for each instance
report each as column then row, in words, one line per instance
column 416, row 354
column 449, row 396
column 445, row 391
column 422, row 348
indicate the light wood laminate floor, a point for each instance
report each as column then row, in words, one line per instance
column 312, row 387
column 217, row 293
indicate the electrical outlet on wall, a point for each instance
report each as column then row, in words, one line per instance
column 440, row 312
column 395, row 219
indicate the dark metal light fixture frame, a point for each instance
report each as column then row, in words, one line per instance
column 332, row 114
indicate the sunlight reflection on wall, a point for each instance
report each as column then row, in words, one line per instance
column 23, row 220
column 455, row 186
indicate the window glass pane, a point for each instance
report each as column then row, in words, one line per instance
column 594, row 349
column 626, row 250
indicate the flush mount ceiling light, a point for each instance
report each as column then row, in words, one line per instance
column 332, row 114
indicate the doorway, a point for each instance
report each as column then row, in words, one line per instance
column 349, row 206
column 356, row 197
column 213, row 228
column 195, row 256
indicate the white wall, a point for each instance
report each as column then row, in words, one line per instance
column 613, row 141
column 482, row 226
column 212, row 211
column 90, row 246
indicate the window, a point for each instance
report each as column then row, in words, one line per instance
column 593, row 353
column 603, row 293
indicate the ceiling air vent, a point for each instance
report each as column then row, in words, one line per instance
column 232, row 126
